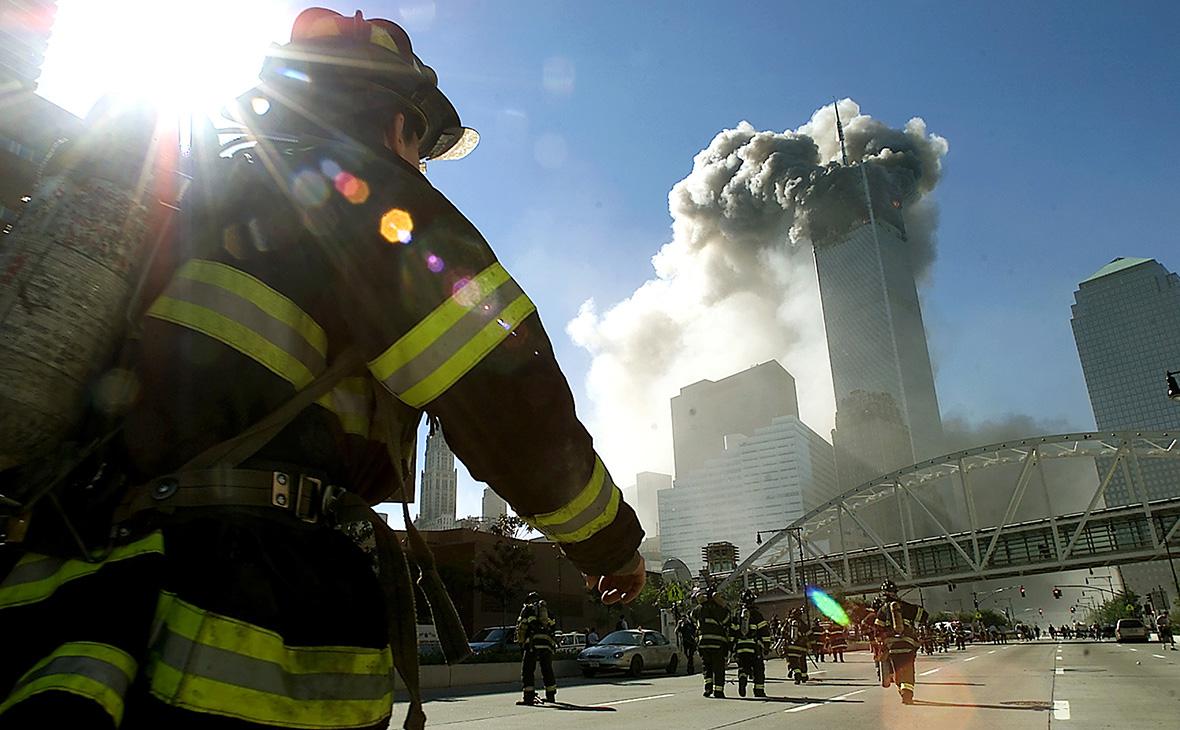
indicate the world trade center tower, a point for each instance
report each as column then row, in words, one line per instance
column 887, row 412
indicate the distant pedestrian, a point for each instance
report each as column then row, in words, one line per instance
column 622, row 624
column 592, row 636
column 1163, row 628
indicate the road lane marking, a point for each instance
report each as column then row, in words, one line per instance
column 1159, row 656
column 828, row 701
column 635, row 699
column 993, row 651
column 1132, row 649
column 971, row 659
column 932, row 671
column 1060, row 670
column 1060, row 709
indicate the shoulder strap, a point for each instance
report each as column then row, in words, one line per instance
column 234, row 451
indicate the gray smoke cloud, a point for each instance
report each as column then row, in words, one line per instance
column 736, row 284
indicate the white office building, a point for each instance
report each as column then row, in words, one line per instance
column 762, row 481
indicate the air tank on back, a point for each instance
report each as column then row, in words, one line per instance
column 67, row 272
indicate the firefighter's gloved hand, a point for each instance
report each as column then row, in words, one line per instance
column 624, row 587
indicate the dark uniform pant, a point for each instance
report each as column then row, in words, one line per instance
column 797, row 662
column 751, row 666
column 209, row 624
column 528, row 670
column 713, row 660
column 690, row 650
column 901, row 664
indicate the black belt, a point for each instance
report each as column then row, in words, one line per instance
column 300, row 495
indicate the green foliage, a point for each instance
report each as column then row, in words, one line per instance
column 502, row 574
column 1122, row 605
column 509, row 525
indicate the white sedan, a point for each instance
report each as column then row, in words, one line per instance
column 632, row 651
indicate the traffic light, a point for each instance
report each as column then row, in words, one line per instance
column 1022, row 591
column 1057, row 593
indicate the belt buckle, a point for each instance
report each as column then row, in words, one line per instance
column 308, row 500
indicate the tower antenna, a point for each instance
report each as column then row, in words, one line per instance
column 840, row 131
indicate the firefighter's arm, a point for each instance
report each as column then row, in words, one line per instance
column 455, row 335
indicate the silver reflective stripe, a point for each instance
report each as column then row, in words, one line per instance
column 452, row 340
column 247, row 313
column 222, row 665
column 34, row 570
column 105, row 673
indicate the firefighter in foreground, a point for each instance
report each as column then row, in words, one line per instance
column 898, row 622
column 751, row 636
column 712, row 620
column 534, row 633
column 797, row 640
column 227, row 597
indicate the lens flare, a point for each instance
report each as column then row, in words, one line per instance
column 397, row 226
column 827, row 605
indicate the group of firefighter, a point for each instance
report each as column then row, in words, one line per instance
column 895, row 628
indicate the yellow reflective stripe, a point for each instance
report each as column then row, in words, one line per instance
column 454, row 338
column 594, row 507
column 476, row 349
column 351, row 401
column 415, row 342
column 260, row 295
column 35, row 577
column 222, row 666
column 237, row 336
column 99, row 672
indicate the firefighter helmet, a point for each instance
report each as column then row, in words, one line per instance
column 336, row 68
column 889, row 588
column 748, row 596
column 533, row 597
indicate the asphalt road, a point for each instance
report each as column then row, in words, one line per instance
column 1063, row 685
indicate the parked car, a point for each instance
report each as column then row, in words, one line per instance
column 1130, row 629
column 492, row 638
column 572, row 641
column 630, row 650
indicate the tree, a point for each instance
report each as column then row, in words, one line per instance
column 1122, row 605
column 507, row 525
column 502, row 572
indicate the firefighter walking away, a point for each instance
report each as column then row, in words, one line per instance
column 751, row 637
column 534, row 633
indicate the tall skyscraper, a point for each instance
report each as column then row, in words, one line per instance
column 706, row 411
column 24, row 36
column 877, row 345
column 648, row 485
column 762, row 481
column 494, row 506
column 1126, row 323
column 439, row 484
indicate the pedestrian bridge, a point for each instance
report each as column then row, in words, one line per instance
column 932, row 510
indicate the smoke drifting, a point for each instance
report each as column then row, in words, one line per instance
column 736, row 284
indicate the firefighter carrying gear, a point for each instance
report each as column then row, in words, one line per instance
column 712, row 621
column 686, row 632
column 797, row 642
column 898, row 622
column 534, row 632
column 267, row 614
column 751, row 637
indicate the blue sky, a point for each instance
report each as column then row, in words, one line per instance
column 1061, row 120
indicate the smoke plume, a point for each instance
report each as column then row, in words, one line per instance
column 736, row 285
